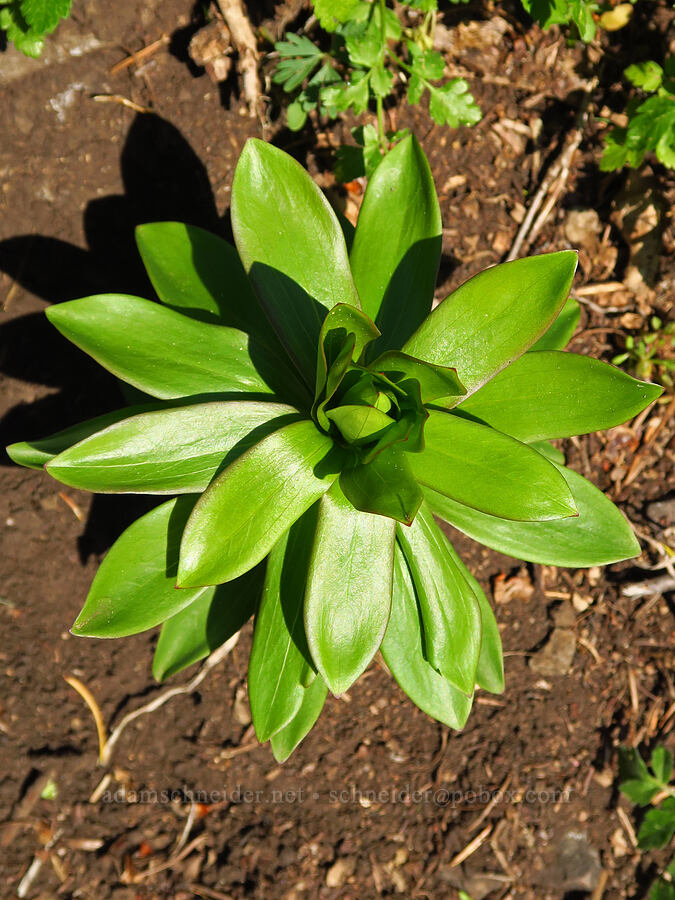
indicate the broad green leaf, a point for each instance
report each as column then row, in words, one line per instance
column 560, row 332
column 552, row 394
column 34, row 454
column 598, row 536
column 658, row 827
column 248, row 507
column 204, row 625
column 284, row 742
column 201, row 274
column 291, row 245
column 661, row 763
column 436, row 382
column 397, row 244
column 135, row 586
column 490, row 669
column 170, row 451
column 490, row 471
column 449, row 609
column 552, row 454
column 348, row 589
column 159, row 351
column 403, row 652
column 280, row 666
column 386, row 486
column 495, row 317
column 197, row 271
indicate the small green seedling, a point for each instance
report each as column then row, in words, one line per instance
column 652, row 355
column 651, row 786
column 26, row 22
column 651, row 121
column 371, row 54
column 308, row 415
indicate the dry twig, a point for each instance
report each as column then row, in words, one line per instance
column 247, row 48
column 90, row 700
column 553, row 182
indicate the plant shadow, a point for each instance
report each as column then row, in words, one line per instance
column 163, row 180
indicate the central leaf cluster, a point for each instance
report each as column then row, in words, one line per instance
column 375, row 411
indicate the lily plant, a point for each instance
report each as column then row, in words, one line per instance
column 308, row 416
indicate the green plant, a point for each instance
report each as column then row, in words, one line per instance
column 645, row 787
column 580, row 15
column 26, row 22
column 371, row 52
column 651, row 355
column 651, row 121
column 309, row 453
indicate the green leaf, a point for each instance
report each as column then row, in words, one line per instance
column 449, row 608
column 205, row 624
column 331, row 12
column 560, row 332
column 34, row 454
column 159, row 351
column 551, row 453
column 632, row 767
column 640, row 792
column 395, row 276
column 291, row 244
column 284, row 742
column 354, row 95
column 19, row 32
column 342, row 322
column 494, row 317
column 42, row 16
column 135, row 586
column 348, row 594
column 386, row 486
column 436, row 382
column 171, row 451
column 661, row 764
column 490, row 669
column 250, row 505
column 658, row 827
column 598, row 536
column 552, row 394
column 381, row 81
column 490, row 471
column 359, row 424
column 402, row 649
column 199, row 272
column 647, row 75
column 453, row 104
column 662, row 890
column 280, row 666
column 296, row 116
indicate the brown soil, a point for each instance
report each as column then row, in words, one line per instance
column 379, row 799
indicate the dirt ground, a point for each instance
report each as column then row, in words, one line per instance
column 379, row 800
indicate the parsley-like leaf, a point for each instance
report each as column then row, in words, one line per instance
column 42, row 16
column 453, row 104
